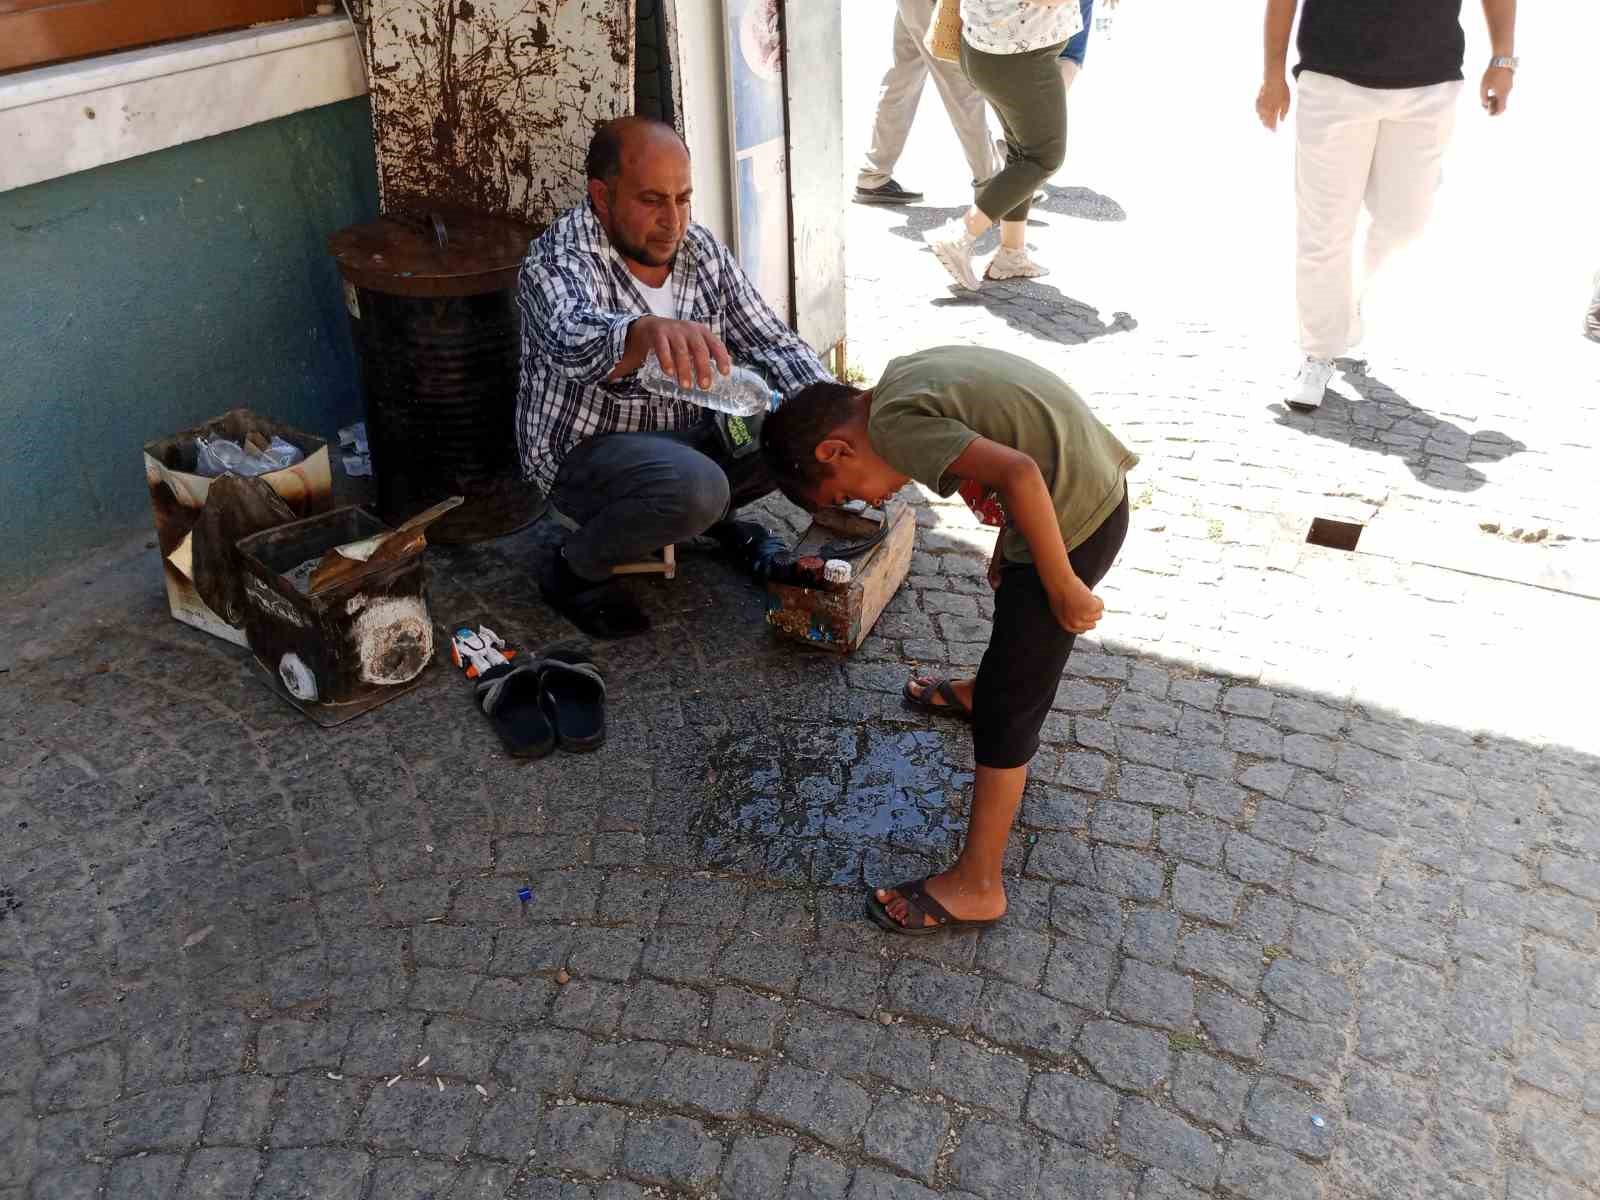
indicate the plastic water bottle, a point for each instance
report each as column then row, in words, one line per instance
column 740, row 393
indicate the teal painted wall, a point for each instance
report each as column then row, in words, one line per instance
column 145, row 296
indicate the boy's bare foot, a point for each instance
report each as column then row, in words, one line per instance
column 933, row 692
column 962, row 901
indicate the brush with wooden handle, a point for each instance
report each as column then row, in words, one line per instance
column 356, row 558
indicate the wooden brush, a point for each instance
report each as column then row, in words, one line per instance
column 345, row 562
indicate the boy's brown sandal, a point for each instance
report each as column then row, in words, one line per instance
column 945, row 690
column 919, row 905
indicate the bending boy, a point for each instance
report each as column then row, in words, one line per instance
column 1024, row 450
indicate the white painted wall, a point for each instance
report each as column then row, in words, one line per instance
column 701, row 67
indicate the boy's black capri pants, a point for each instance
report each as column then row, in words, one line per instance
column 1028, row 651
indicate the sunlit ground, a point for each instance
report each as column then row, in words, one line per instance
column 1473, row 343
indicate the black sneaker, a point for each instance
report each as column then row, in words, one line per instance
column 888, row 193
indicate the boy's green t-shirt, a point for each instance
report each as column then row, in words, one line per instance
column 930, row 406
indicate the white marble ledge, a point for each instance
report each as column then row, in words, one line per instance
column 72, row 117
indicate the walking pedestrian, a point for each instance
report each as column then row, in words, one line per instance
column 898, row 97
column 1009, row 49
column 1379, row 81
column 1072, row 55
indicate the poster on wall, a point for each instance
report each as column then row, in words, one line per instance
column 761, row 163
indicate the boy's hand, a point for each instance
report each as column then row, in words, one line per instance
column 1076, row 607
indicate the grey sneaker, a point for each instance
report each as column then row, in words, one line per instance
column 1013, row 264
column 1310, row 384
column 1591, row 319
column 952, row 246
column 887, row 193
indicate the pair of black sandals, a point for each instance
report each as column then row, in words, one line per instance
column 554, row 697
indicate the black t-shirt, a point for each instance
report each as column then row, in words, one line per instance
column 1382, row 43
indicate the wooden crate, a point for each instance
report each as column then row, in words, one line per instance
column 840, row 621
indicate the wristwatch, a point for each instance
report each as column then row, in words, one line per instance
column 1508, row 61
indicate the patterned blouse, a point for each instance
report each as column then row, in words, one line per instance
column 1017, row 26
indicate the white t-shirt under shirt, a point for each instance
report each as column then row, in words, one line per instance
column 1017, row 26
column 658, row 298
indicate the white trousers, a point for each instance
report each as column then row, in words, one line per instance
column 902, row 88
column 1381, row 146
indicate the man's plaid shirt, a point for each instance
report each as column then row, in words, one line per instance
column 578, row 300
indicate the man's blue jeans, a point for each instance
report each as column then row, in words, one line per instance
column 633, row 493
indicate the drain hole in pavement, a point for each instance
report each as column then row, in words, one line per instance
column 1335, row 535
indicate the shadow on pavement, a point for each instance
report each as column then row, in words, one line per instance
column 1081, row 203
column 204, row 897
column 920, row 218
column 1085, row 204
column 1042, row 310
column 1438, row 453
column 1030, row 305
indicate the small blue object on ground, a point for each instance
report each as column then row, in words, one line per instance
column 524, row 894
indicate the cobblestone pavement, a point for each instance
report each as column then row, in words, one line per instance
column 1304, row 896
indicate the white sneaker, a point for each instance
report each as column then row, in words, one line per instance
column 1310, row 383
column 952, row 246
column 1013, row 264
column 1591, row 320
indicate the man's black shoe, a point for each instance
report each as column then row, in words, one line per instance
column 888, row 193
column 752, row 545
column 601, row 610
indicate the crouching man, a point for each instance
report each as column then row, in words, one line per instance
column 623, row 274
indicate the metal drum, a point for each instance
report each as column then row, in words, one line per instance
column 432, row 304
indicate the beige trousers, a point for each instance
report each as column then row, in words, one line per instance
column 902, row 89
column 1380, row 147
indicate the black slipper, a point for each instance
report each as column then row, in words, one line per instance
column 574, row 698
column 919, row 905
column 509, row 696
column 602, row 610
column 952, row 706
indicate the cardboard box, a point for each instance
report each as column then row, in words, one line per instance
column 350, row 647
column 177, row 496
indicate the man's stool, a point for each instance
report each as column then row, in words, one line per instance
column 666, row 566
